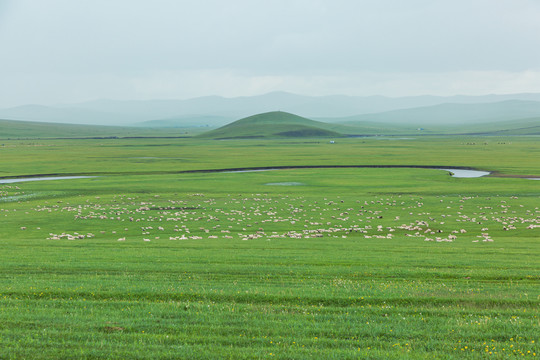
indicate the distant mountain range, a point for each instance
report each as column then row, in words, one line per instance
column 213, row 111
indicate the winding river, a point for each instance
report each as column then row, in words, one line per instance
column 457, row 172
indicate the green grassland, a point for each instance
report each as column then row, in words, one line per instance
column 149, row 260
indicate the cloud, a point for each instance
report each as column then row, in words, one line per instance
column 171, row 49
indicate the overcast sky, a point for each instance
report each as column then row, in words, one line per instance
column 63, row 51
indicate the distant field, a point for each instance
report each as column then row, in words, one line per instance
column 508, row 155
column 144, row 261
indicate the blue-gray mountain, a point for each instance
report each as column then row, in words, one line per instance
column 216, row 111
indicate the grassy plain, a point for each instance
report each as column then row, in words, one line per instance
column 145, row 261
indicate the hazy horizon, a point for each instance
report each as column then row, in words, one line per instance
column 62, row 52
column 91, row 100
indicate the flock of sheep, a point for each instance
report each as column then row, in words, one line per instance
column 445, row 219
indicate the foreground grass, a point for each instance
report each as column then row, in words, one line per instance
column 227, row 266
column 245, row 300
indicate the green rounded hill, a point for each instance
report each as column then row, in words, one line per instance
column 275, row 124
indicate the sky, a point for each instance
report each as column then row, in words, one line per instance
column 66, row 51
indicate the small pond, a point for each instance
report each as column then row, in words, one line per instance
column 247, row 171
column 288, row 183
column 459, row 173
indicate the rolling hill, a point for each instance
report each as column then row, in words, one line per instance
column 50, row 114
column 449, row 114
column 186, row 121
column 15, row 129
column 529, row 126
column 275, row 124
